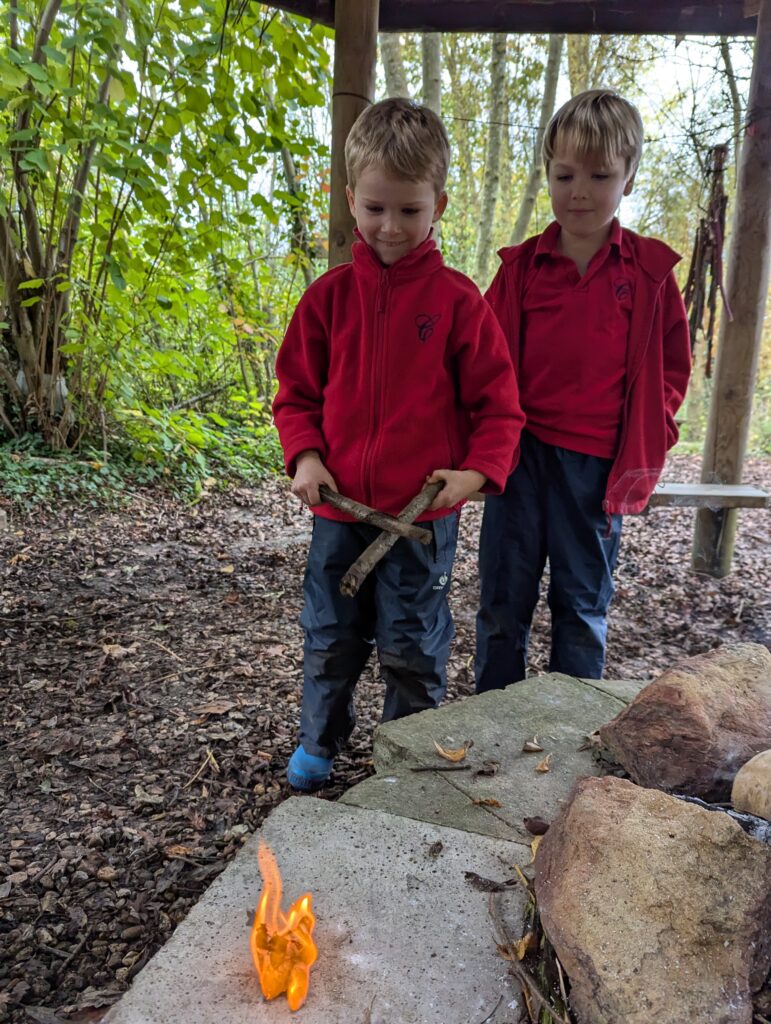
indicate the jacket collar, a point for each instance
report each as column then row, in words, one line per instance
column 423, row 260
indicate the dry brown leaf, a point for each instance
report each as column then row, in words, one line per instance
column 487, row 801
column 215, row 707
column 116, row 651
column 504, row 951
column 454, row 755
column 531, row 746
column 523, row 946
column 534, row 848
column 545, row 765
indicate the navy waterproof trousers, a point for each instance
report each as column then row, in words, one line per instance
column 401, row 609
column 551, row 508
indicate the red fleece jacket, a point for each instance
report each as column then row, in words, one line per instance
column 393, row 372
column 657, row 369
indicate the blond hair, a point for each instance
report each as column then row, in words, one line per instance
column 597, row 123
column 405, row 139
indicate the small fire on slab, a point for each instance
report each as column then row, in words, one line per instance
column 282, row 947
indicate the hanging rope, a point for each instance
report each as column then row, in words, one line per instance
column 705, row 275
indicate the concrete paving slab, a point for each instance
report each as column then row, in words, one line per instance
column 560, row 710
column 625, row 689
column 403, row 938
column 428, row 797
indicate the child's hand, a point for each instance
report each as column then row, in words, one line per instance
column 458, row 484
column 311, row 474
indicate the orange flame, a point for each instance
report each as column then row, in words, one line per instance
column 282, row 947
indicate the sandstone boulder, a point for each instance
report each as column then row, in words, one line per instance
column 659, row 910
column 690, row 730
column 751, row 790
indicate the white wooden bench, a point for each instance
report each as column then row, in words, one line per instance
column 708, row 496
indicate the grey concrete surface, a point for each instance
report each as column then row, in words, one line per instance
column 559, row 710
column 403, row 937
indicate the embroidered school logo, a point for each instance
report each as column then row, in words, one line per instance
column 623, row 289
column 425, row 324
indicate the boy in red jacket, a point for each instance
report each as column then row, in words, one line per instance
column 393, row 372
column 599, row 340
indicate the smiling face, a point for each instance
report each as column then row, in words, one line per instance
column 586, row 191
column 393, row 215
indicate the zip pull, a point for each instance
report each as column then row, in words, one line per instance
column 382, row 291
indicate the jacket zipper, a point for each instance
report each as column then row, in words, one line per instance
column 376, row 384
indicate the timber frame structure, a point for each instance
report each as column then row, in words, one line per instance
column 357, row 23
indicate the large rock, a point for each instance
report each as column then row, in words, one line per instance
column 659, row 910
column 691, row 729
column 751, row 790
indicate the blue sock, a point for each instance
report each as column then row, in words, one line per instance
column 307, row 772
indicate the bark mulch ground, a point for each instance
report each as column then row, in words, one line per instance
column 150, row 669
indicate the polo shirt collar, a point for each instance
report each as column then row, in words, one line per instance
column 547, row 240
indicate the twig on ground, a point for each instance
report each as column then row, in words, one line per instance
column 491, row 1014
column 523, row 976
column 441, row 768
column 157, row 643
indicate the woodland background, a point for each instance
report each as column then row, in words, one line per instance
column 164, row 175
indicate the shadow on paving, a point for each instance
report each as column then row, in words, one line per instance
column 150, row 672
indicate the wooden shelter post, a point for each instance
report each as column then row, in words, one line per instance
column 747, row 292
column 355, row 67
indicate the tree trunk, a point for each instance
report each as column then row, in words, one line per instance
column 578, row 63
column 431, row 48
column 530, row 194
column 391, row 55
column 492, row 175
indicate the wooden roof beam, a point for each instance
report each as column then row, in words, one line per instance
column 627, row 17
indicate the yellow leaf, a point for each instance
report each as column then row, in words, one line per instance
column 523, row 945
column 454, row 755
column 545, row 765
column 534, row 848
column 228, row 568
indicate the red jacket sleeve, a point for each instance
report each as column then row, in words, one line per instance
column 488, row 394
column 301, row 369
column 676, row 354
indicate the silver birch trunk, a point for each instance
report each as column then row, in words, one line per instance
column 492, row 175
column 533, row 185
column 391, row 56
column 431, row 48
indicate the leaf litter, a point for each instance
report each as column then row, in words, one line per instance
column 151, row 701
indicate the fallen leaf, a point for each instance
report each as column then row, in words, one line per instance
column 454, row 755
column 107, row 873
column 531, row 746
column 545, row 765
column 524, row 945
column 487, row 801
column 144, row 797
column 228, row 569
column 536, row 826
column 116, row 651
column 215, row 707
column 534, row 848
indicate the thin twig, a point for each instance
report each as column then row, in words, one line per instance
column 523, row 976
column 491, row 1014
column 441, row 768
column 157, row 643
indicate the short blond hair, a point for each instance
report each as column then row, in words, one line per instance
column 405, row 139
column 597, row 123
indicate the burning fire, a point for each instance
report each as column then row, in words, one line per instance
column 282, row 947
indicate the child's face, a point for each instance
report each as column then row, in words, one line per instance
column 393, row 215
column 585, row 192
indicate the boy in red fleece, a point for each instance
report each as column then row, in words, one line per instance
column 393, row 371
column 599, row 339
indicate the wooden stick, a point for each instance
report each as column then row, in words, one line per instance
column 366, row 562
column 365, row 514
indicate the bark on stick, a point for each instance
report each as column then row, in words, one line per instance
column 365, row 514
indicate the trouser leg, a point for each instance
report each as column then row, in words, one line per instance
column 512, row 554
column 413, row 622
column 339, row 636
column 583, row 545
